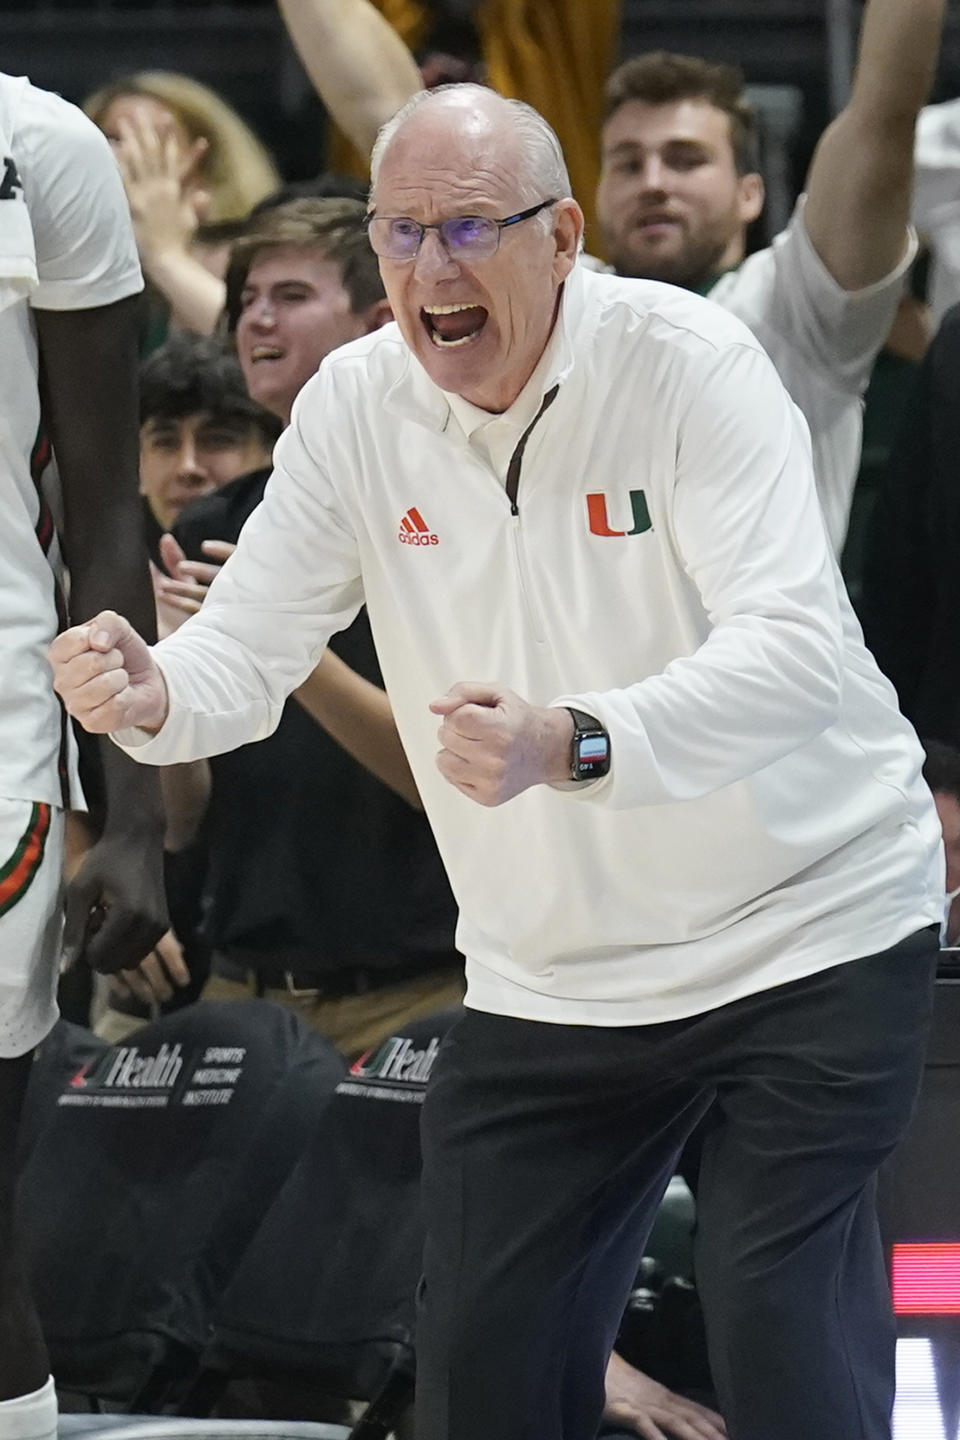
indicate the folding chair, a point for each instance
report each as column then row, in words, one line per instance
column 138, row 1158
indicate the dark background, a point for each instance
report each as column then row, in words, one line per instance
column 73, row 46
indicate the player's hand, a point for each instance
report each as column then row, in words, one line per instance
column 641, row 1404
column 495, row 745
column 116, row 907
column 159, row 973
column 107, row 677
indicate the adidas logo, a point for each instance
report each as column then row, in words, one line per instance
column 414, row 530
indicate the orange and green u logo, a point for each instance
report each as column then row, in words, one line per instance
column 17, row 873
column 600, row 524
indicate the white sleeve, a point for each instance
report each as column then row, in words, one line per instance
column 86, row 252
column 293, row 581
column 748, row 531
column 936, row 163
column 801, row 315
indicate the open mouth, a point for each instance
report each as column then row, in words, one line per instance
column 452, row 326
column 265, row 352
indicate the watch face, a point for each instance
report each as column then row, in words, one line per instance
column 593, row 749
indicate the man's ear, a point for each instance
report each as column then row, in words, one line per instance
column 752, row 196
column 568, row 236
column 375, row 315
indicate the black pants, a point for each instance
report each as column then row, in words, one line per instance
column 547, row 1149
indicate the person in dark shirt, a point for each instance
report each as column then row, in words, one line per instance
column 910, row 603
column 198, row 428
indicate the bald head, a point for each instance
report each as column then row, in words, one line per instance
column 478, row 121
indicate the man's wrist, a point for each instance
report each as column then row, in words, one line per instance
column 559, row 723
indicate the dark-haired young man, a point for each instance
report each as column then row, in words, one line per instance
column 199, row 428
column 680, row 185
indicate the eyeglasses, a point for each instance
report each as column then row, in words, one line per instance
column 467, row 237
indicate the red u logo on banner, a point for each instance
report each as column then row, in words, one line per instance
column 600, row 524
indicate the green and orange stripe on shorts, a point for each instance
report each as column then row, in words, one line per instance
column 17, row 874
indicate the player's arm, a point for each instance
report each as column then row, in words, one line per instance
column 88, row 369
column 359, row 66
column 860, row 185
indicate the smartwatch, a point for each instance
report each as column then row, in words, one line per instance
column 590, row 749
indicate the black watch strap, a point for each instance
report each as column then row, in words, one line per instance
column 590, row 748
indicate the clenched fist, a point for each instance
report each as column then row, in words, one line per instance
column 107, row 677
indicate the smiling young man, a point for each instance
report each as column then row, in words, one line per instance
column 719, row 876
column 680, row 185
column 297, row 289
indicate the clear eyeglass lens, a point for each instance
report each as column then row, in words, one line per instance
column 470, row 234
column 398, row 238
column 402, row 237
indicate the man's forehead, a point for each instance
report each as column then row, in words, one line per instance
column 480, row 181
column 639, row 124
column 277, row 264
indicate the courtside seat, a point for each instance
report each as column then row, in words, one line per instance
column 325, row 1292
column 138, row 1159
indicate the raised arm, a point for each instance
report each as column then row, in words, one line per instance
column 360, row 67
column 860, row 185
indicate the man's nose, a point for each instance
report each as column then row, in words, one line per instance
column 190, row 467
column 260, row 313
column 653, row 176
column 433, row 257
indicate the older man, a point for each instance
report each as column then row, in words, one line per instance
column 582, row 515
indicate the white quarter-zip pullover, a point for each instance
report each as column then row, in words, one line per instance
column 653, row 552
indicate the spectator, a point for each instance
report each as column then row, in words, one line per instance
column 325, row 890
column 742, row 906
column 68, row 314
column 941, row 771
column 198, row 429
column 192, row 170
column 680, row 185
column 911, row 580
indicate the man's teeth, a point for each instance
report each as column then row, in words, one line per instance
column 437, row 338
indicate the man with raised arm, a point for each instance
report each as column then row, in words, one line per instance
column 68, row 359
